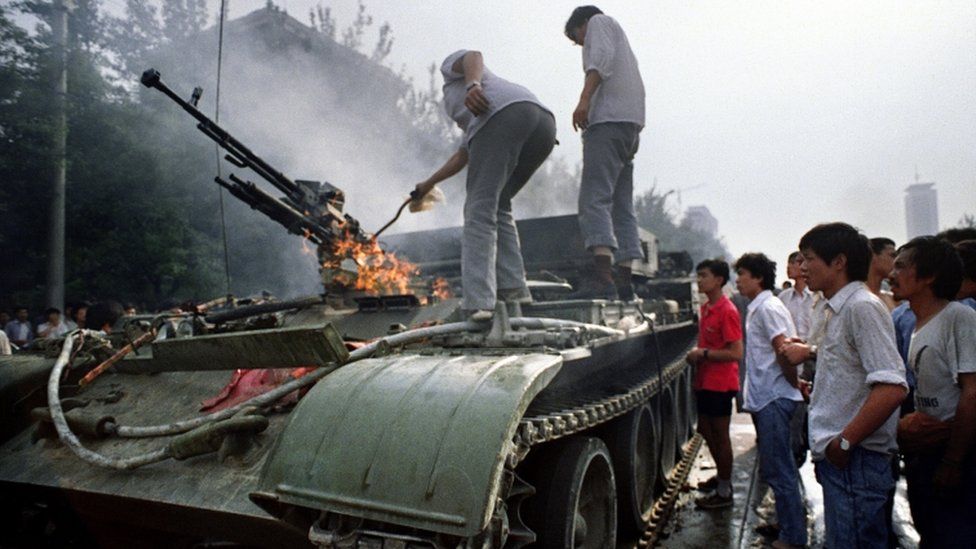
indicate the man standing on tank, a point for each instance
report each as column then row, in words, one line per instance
column 508, row 133
column 611, row 114
column 716, row 376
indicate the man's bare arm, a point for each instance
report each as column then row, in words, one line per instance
column 582, row 113
column 882, row 401
column 472, row 65
column 454, row 164
column 789, row 370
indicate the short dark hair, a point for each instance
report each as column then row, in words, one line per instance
column 967, row 253
column 580, row 16
column 958, row 234
column 760, row 266
column 102, row 313
column 49, row 310
column 829, row 240
column 793, row 256
column 717, row 267
column 879, row 243
column 936, row 257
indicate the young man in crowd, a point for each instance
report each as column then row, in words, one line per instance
column 19, row 330
column 938, row 438
column 771, row 393
column 859, row 386
column 716, row 376
column 882, row 260
column 798, row 298
column 610, row 113
column 53, row 327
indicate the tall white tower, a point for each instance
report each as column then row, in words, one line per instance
column 921, row 210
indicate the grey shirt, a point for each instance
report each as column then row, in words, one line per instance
column 500, row 93
column 941, row 350
column 620, row 96
column 857, row 351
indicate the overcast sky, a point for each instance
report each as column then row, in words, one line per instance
column 775, row 115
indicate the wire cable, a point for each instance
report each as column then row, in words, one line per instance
column 220, row 190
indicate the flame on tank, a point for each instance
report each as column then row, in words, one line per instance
column 377, row 272
column 441, row 288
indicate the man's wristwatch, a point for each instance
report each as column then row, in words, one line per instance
column 471, row 85
column 705, row 354
column 845, row 444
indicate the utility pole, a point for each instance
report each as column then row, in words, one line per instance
column 55, row 249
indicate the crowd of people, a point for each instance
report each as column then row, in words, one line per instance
column 866, row 360
column 21, row 331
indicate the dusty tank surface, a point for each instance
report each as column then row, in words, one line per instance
column 356, row 420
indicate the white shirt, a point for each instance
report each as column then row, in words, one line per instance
column 5, row 344
column 620, row 96
column 941, row 350
column 800, row 306
column 500, row 93
column 55, row 333
column 766, row 319
column 858, row 350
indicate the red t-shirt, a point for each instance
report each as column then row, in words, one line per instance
column 718, row 326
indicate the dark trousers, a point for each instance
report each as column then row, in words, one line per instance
column 941, row 522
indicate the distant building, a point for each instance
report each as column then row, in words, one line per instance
column 921, row 210
column 701, row 220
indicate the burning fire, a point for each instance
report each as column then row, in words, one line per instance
column 378, row 272
column 441, row 288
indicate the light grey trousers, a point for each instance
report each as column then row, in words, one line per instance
column 606, row 201
column 501, row 158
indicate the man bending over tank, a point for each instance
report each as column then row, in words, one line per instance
column 508, row 133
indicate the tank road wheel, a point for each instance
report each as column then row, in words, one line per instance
column 577, row 500
column 668, row 434
column 633, row 444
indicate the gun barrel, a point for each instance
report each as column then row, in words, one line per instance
column 151, row 78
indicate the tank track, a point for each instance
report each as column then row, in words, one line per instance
column 547, row 427
column 664, row 505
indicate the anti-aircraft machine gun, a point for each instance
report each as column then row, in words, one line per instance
column 311, row 209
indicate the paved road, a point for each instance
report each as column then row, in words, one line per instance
column 690, row 527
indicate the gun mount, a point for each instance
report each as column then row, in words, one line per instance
column 311, row 209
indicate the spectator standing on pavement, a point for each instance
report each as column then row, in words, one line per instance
column 610, row 113
column 53, row 327
column 19, row 330
column 798, row 298
column 938, row 438
column 859, row 386
column 716, row 376
column 799, row 301
column 771, row 393
column 882, row 261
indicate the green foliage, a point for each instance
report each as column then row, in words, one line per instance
column 654, row 215
column 128, row 236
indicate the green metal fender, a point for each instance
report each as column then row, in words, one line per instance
column 413, row 440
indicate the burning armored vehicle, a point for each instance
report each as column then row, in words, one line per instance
column 357, row 420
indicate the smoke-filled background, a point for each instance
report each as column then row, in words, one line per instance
column 774, row 117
